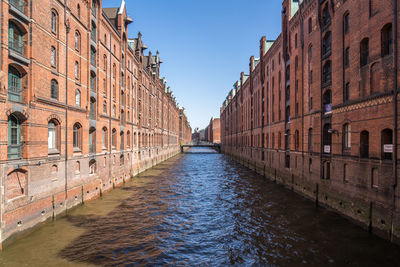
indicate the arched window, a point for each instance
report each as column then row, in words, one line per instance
column 105, row 63
column 387, row 144
column 114, row 138
column 104, row 138
column 53, row 136
column 364, row 144
column 310, row 140
column 92, row 166
column 93, row 56
column 77, row 41
column 15, row 39
column 310, row 25
column 54, row 89
column 122, row 143
column 77, row 167
column 114, row 111
column 327, row 101
column 128, row 139
column 105, row 107
column 76, row 70
column 346, row 23
column 364, row 52
column 326, row 16
column 310, row 52
column 93, row 82
column 92, row 140
column 346, row 136
column 387, row 40
column 53, row 58
column 79, row 11
column 77, row 97
column 14, row 84
column 54, row 22
column 77, row 137
column 14, row 137
column 93, row 32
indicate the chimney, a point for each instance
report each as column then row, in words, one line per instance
column 262, row 47
column 251, row 64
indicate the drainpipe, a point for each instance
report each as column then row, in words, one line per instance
column 269, row 112
column 302, row 83
column 395, row 173
column 110, row 111
column 67, row 29
column 2, row 183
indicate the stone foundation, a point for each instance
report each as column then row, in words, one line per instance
column 47, row 194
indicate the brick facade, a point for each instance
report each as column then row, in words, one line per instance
column 83, row 108
column 318, row 109
column 213, row 131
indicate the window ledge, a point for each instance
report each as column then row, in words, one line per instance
column 54, row 152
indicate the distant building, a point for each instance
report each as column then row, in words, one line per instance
column 213, row 131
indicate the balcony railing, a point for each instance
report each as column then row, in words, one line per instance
column 18, row 4
column 16, row 46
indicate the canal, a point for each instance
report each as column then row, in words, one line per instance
column 200, row 209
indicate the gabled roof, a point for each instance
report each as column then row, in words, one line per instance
column 112, row 14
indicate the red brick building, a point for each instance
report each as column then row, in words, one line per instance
column 83, row 107
column 185, row 131
column 318, row 110
column 213, row 131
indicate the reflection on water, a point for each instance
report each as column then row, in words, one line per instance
column 201, row 209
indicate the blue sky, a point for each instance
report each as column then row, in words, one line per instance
column 204, row 44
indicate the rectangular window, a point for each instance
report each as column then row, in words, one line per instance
column 347, row 57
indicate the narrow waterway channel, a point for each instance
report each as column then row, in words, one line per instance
column 200, row 209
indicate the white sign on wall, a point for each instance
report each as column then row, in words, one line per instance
column 388, row 148
column 327, row 149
